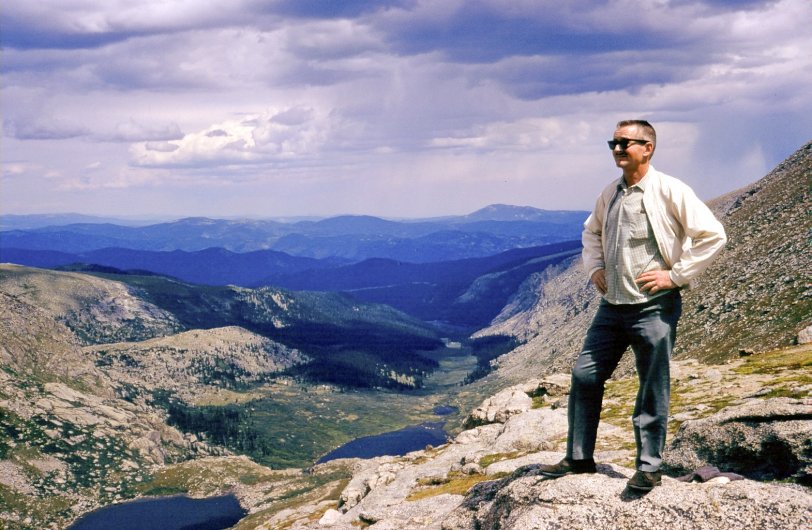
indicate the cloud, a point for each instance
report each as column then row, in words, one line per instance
column 257, row 139
column 532, row 134
column 43, row 128
column 14, row 169
column 73, row 24
column 133, row 131
column 161, row 147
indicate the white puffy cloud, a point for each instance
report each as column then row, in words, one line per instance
column 271, row 136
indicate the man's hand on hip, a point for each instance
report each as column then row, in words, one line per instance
column 599, row 280
column 653, row 281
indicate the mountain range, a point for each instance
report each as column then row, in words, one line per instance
column 491, row 230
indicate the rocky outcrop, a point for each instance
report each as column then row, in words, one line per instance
column 602, row 500
column 763, row 439
column 487, row 477
column 499, row 408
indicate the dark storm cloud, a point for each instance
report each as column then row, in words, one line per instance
column 21, row 37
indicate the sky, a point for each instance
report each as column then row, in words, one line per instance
column 394, row 108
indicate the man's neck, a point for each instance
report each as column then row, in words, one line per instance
column 633, row 177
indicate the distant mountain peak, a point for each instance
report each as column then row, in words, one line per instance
column 197, row 221
column 507, row 212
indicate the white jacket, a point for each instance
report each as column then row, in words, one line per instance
column 688, row 234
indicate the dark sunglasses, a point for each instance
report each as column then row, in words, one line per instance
column 624, row 143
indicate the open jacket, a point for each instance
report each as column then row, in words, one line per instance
column 688, row 234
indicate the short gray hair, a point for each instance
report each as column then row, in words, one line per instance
column 645, row 127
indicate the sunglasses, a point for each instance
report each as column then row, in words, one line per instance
column 624, row 143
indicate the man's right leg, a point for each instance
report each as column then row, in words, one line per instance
column 604, row 346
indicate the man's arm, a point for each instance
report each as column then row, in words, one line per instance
column 706, row 233
column 599, row 280
column 591, row 239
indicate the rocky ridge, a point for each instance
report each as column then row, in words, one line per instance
column 96, row 310
column 193, row 363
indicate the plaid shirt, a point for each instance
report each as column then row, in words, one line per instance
column 631, row 246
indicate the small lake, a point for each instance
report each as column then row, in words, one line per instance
column 165, row 513
column 393, row 443
column 445, row 410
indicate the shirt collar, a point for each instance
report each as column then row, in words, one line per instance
column 621, row 183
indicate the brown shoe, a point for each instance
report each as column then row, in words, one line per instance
column 567, row 467
column 645, row 480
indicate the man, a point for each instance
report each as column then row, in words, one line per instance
column 648, row 236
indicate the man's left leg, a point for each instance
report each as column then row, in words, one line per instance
column 654, row 334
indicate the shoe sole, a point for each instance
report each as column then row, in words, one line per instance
column 559, row 475
column 643, row 488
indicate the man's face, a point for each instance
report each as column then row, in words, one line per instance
column 635, row 154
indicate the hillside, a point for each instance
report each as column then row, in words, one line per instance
column 348, row 342
column 754, row 297
column 194, row 363
column 464, row 293
column 87, row 420
column 96, row 310
column 68, row 441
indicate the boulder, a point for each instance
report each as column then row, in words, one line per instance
column 499, row 408
column 762, row 439
column 368, row 476
column 535, row 430
column 805, row 335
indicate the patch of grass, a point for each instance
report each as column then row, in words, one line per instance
column 457, row 484
column 779, row 361
column 487, row 460
column 301, row 491
column 42, row 511
column 540, row 402
column 206, row 477
column 783, row 391
column 291, row 426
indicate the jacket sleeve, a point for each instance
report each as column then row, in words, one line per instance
column 706, row 233
column 592, row 253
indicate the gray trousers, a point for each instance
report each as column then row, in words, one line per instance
column 650, row 329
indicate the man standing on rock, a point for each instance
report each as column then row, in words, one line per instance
column 648, row 236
